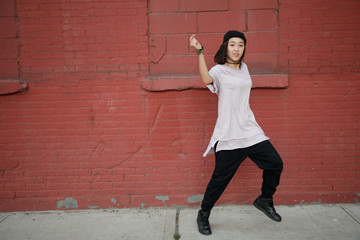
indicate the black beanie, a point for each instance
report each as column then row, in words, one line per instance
column 231, row 34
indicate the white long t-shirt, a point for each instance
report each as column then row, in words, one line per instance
column 235, row 126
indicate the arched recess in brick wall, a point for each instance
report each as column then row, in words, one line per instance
column 173, row 64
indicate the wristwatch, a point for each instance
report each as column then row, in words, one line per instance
column 200, row 51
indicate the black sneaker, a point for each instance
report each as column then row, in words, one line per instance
column 203, row 223
column 266, row 205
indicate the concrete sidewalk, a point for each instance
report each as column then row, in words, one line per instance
column 323, row 222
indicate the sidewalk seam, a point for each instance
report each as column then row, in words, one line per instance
column 349, row 214
column 177, row 222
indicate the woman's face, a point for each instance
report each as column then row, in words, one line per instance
column 235, row 50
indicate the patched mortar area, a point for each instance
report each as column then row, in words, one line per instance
column 195, row 198
column 68, row 203
column 162, row 198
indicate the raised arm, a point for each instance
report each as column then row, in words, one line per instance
column 203, row 70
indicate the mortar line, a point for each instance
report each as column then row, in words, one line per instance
column 349, row 214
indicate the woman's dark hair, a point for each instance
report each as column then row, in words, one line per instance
column 220, row 56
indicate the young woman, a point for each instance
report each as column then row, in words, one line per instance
column 237, row 134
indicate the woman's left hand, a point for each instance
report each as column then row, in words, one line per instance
column 195, row 43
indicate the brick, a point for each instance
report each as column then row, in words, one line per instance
column 261, row 42
column 261, row 62
column 157, row 46
column 9, row 69
column 7, row 8
column 8, row 27
column 262, row 20
column 177, row 44
column 50, row 6
column 237, row 5
column 203, row 5
column 162, row 84
column 272, row 4
column 161, row 6
column 215, row 22
column 7, row 195
column 12, row 86
column 169, row 66
column 172, row 23
column 9, row 49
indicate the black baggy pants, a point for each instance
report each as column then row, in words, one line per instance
column 263, row 154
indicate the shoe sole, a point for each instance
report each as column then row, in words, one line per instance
column 261, row 209
column 203, row 233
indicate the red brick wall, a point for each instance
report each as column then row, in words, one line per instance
column 9, row 43
column 319, row 127
column 86, row 135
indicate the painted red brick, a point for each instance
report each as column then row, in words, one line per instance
column 159, row 6
column 177, row 44
column 172, row 23
column 9, row 48
column 261, row 42
column 203, row 5
column 215, row 22
column 272, row 4
column 8, row 27
column 12, row 86
column 261, row 63
column 7, row 8
column 86, row 129
column 157, row 45
column 174, row 65
column 9, row 69
column 262, row 20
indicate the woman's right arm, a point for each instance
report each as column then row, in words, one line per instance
column 203, row 70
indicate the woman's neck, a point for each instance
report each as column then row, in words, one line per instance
column 232, row 65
